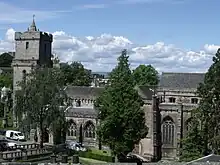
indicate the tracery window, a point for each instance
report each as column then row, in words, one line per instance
column 89, row 130
column 72, row 129
column 168, row 129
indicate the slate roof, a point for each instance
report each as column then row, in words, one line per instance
column 181, row 80
column 81, row 112
column 146, row 92
column 83, row 92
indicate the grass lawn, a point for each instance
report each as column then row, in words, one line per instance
column 89, row 161
column 100, row 152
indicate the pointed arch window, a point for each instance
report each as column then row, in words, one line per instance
column 72, row 129
column 89, row 130
column 168, row 129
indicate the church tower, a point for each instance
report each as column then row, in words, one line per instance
column 32, row 48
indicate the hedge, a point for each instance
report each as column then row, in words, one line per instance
column 91, row 155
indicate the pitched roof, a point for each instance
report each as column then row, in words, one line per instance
column 146, row 92
column 181, row 80
column 83, row 92
column 81, row 112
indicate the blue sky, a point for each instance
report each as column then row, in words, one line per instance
column 188, row 24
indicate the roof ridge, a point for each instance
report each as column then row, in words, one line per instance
column 182, row 73
column 89, row 87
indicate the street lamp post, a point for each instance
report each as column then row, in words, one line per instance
column 5, row 100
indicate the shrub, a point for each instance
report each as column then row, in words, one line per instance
column 91, row 155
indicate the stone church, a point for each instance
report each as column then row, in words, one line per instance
column 176, row 95
column 167, row 107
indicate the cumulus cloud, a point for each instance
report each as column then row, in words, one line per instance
column 100, row 53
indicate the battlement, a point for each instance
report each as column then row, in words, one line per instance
column 46, row 36
column 37, row 35
column 19, row 36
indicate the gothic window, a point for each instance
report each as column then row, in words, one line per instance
column 27, row 45
column 89, row 130
column 194, row 100
column 72, row 129
column 168, row 128
column 172, row 100
column 78, row 103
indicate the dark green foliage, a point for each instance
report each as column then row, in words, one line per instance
column 40, row 99
column 6, row 80
column 193, row 143
column 146, row 75
column 5, row 60
column 122, row 120
column 75, row 74
column 208, row 113
column 209, row 91
column 96, row 156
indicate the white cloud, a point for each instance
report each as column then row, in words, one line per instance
column 211, row 48
column 100, row 53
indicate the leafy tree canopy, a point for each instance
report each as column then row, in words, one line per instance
column 209, row 92
column 208, row 113
column 193, row 143
column 6, row 80
column 145, row 75
column 122, row 120
column 76, row 75
column 5, row 60
column 40, row 98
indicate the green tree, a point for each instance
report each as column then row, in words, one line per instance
column 122, row 120
column 40, row 98
column 5, row 60
column 209, row 107
column 6, row 80
column 193, row 143
column 145, row 75
column 76, row 75
column 208, row 113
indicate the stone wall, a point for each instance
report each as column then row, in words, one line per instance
column 146, row 145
